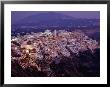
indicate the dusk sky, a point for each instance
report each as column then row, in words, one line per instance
column 18, row 15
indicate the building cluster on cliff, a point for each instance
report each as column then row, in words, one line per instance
column 49, row 46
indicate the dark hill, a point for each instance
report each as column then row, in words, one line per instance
column 86, row 64
column 53, row 19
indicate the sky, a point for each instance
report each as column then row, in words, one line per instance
column 18, row 15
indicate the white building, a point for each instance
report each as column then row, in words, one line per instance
column 55, row 33
column 47, row 32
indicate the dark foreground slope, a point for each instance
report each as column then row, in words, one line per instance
column 86, row 64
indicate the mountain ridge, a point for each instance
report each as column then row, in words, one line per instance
column 49, row 17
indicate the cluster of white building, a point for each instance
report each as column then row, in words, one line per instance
column 50, row 44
